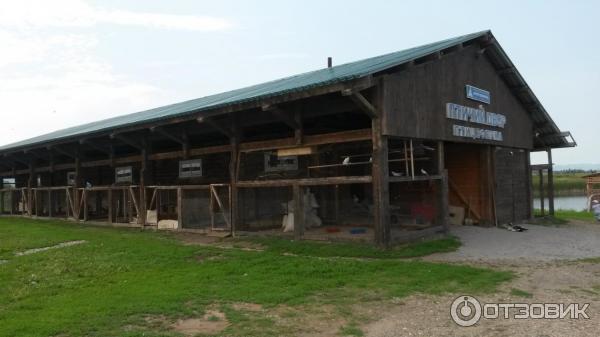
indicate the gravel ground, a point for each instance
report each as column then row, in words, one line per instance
column 543, row 260
column 539, row 243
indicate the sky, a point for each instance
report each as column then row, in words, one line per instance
column 68, row 62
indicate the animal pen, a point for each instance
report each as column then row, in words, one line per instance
column 592, row 189
column 384, row 150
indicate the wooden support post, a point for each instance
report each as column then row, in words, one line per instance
column 111, row 155
column 36, row 203
column 492, row 182
column 529, row 185
column 412, row 159
column 298, row 192
column 442, row 188
column 541, row 176
column 127, row 205
column 336, row 204
column 443, row 201
column 77, row 183
column 179, row 208
column 441, row 165
column 550, row 183
column 50, row 201
column 84, row 195
column 381, row 193
column 234, row 166
column 143, row 180
column 185, row 146
column 234, row 195
column 98, row 198
column 110, row 206
column 67, row 203
column 406, row 169
column 29, row 189
column 299, row 130
column 157, row 206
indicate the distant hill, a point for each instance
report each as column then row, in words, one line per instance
column 582, row 167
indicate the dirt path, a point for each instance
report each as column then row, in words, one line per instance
column 547, row 283
column 543, row 259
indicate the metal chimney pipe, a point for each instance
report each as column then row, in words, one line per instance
column 329, row 62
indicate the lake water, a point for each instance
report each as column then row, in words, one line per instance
column 578, row 202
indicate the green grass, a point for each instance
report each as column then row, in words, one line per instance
column 563, row 182
column 356, row 250
column 107, row 286
column 564, row 215
column 520, row 293
column 351, row 330
column 575, row 215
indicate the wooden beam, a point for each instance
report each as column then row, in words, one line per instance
column 508, row 70
column 215, row 125
column 279, row 113
column 106, row 150
column 361, row 102
column 17, row 160
column 306, row 182
column 180, row 138
column 296, row 151
column 311, row 140
column 464, row 200
column 546, row 137
column 128, row 140
column 36, row 155
column 358, row 85
column 70, row 154
column 427, row 58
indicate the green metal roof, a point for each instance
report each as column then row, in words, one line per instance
column 317, row 78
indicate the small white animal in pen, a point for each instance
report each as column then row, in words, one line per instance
column 311, row 219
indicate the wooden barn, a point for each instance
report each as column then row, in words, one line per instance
column 382, row 150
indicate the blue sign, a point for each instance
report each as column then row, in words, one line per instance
column 479, row 95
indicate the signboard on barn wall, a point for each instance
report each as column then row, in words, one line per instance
column 450, row 99
column 477, row 94
column 477, row 116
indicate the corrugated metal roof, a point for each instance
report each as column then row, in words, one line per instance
column 317, row 78
column 313, row 79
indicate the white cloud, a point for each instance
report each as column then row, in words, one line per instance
column 51, row 76
column 59, row 82
column 78, row 13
